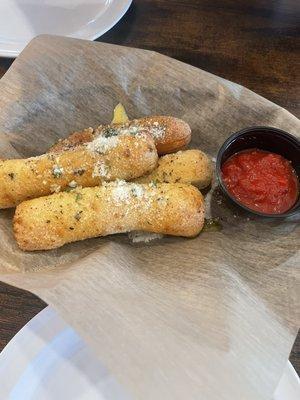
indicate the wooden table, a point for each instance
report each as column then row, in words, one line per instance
column 253, row 43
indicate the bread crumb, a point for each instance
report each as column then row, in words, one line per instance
column 145, row 237
column 55, row 188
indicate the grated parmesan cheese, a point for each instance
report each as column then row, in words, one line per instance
column 72, row 184
column 134, row 128
column 157, row 131
column 102, row 144
column 100, row 169
column 57, row 171
column 121, row 194
column 124, row 191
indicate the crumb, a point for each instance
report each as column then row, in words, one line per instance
column 145, row 237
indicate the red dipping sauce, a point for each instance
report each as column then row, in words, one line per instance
column 262, row 181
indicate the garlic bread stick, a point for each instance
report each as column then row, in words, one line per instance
column 103, row 159
column 169, row 133
column 188, row 166
column 52, row 221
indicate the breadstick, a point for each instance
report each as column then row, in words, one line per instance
column 104, row 159
column 73, row 140
column 50, row 222
column 169, row 133
column 189, row 166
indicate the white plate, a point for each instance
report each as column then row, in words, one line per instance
column 22, row 20
column 48, row 360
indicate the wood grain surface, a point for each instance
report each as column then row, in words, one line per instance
column 252, row 43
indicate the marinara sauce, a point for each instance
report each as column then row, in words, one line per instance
column 261, row 180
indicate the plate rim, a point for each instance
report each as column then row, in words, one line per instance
column 288, row 373
column 7, row 51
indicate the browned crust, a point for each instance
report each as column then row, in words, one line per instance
column 177, row 134
column 73, row 140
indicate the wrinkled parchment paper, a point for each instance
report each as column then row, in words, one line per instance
column 207, row 318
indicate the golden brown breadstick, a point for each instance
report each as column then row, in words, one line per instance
column 169, row 133
column 104, row 159
column 189, row 166
column 116, row 207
